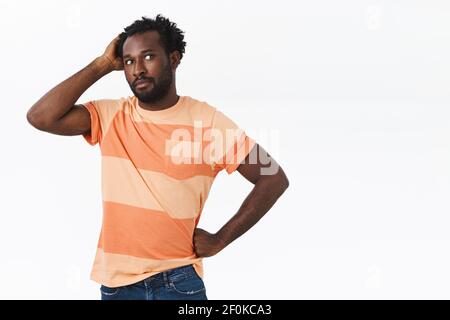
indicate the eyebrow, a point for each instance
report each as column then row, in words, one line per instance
column 143, row 51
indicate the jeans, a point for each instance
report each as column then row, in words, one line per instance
column 180, row 283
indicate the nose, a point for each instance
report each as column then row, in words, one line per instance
column 139, row 69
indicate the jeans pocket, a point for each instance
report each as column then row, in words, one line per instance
column 190, row 285
column 107, row 291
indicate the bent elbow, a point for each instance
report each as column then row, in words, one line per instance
column 33, row 120
column 286, row 183
column 36, row 121
column 282, row 179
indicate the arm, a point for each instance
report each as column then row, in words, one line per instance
column 56, row 111
column 269, row 184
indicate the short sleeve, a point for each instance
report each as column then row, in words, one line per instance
column 101, row 112
column 231, row 143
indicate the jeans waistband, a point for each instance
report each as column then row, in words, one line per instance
column 172, row 274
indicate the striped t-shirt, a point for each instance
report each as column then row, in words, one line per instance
column 157, row 170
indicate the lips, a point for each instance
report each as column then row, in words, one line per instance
column 141, row 83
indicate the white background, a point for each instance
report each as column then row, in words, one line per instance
column 351, row 98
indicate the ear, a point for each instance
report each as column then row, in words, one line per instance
column 174, row 58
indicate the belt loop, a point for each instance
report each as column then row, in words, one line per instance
column 166, row 279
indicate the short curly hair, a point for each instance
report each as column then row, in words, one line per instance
column 171, row 37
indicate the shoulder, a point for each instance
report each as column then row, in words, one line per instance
column 197, row 105
column 199, row 109
column 110, row 104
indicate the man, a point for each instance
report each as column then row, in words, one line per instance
column 160, row 155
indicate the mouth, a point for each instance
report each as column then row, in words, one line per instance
column 140, row 84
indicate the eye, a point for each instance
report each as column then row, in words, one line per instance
column 128, row 62
column 148, row 56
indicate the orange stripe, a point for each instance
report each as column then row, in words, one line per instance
column 145, row 233
column 145, row 144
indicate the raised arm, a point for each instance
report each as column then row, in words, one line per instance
column 56, row 112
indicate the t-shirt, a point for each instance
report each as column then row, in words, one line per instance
column 157, row 170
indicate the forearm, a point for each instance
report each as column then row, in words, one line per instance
column 59, row 100
column 263, row 196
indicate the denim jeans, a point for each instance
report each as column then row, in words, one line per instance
column 181, row 283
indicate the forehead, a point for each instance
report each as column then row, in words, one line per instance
column 141, row 41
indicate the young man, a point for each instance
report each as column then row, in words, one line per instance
column 160, row 155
